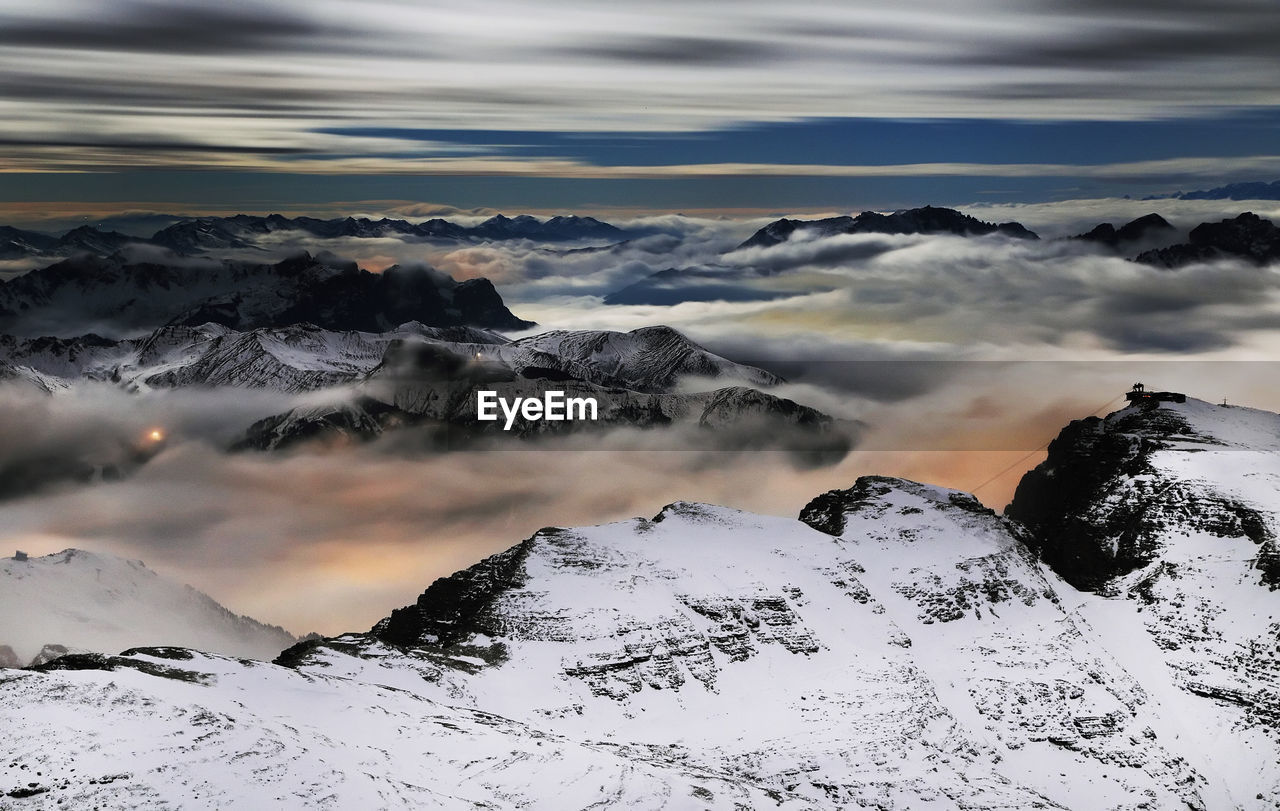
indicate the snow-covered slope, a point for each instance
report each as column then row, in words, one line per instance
column 416, row 373
column 646, row 359
column 429, row 379
column 168, row 728
column 305, row 357
column 87, row 601
column 26, row 376
column 1169, row 513
column 899, row 647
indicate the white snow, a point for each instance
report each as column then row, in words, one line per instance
column 96, row 602
column 715, row 658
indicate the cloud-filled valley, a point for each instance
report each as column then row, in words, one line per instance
column 960, row 355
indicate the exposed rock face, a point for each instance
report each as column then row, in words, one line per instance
column 926, row 220
column 125, row 295
column 456, row 608
column 1169, row 510
column 1100, row 506
column 1146, row 227
column 1247, row 236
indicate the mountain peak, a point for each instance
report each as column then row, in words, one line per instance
column 877, row 495
column 1117, row 494
column 1247, row 236
column 923, row 220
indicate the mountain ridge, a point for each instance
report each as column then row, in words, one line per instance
column 900, row 645
column 190, row 236
column 125, row 293
column 923, row 220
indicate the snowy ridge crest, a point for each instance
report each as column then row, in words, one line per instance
column 899, row 647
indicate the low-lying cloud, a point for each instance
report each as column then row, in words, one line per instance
column 925, row 339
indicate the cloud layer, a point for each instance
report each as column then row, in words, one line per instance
column 964, row 356
column 253, row 85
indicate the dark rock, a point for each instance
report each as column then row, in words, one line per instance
column 926, row 220
column 453, row 608
column 1247, row 236
column 1095, row 508
column 328, row 293
column 1145, row 227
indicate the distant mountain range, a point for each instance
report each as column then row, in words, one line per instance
column 1252, row 190
column 1248, row 237
column 118, row 293
column 419, row 376
column 926, row 220
column 191, row 236
column 1149, row 239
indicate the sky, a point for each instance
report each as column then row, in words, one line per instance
column 653, row 105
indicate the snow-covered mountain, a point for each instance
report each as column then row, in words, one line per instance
column 127, row 293
column 89, row 601
column 634, row 377
column 899, row 647
column 25, row 375
column 300, row 357
column 417, row 374
column 18, row 242
column 645, row 359
column 1171, row 512
column 304, row 357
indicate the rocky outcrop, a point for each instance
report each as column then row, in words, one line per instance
column 1147, row 227
column 926, row 220
column 1098, row 508
column 1247, row 237
column 126, row 294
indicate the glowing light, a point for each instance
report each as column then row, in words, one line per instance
column 155, row 435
